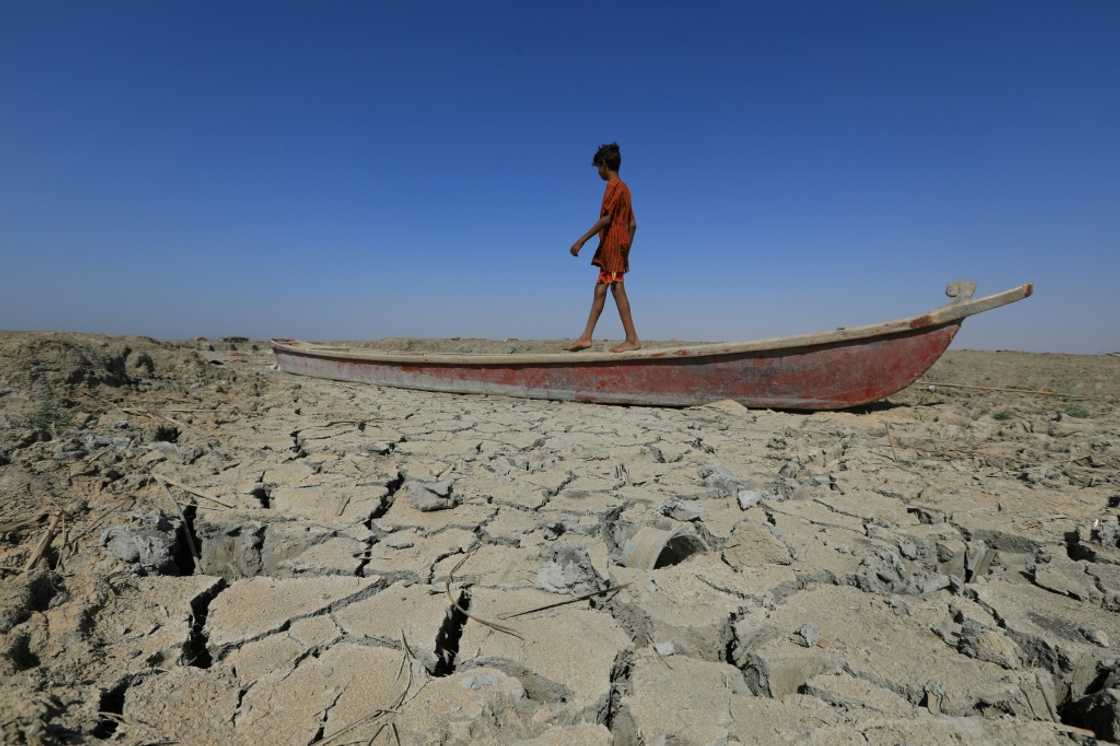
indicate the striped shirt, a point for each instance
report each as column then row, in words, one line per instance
column 613, row 254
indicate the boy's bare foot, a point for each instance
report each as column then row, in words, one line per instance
column 627, row 347
column 580, row 344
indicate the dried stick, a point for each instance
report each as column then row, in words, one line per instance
column 333, row 423
column 1036, row 392
column 565, row 602
column 407, row 656
column 468, row 615
column 151, row 415
column 657, row 652
column 48, row 537
column 345, row 504
column 190, row 490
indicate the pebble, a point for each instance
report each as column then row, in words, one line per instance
column 429, row 496
column 808, row 635
column 682, row 510
column 749, row 498
column 1096, row 637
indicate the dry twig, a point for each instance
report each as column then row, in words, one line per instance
column 657, row 652
column 41, row 547
column 455, row 604
column 1001, row 389
column 566, row 601
column 407, row 659
column 190, row 490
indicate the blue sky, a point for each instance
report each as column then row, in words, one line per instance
column 350, row 170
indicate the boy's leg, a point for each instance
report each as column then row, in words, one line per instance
column 623, row 303
column 597, row 304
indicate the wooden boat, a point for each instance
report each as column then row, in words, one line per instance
column 842, row 368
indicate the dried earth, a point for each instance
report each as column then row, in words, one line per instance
column 250, row 557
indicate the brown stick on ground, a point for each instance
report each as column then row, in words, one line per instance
column 1036, row 392
column 41, row 548
column 153, row 416
column 566, row 601
column 190, row 490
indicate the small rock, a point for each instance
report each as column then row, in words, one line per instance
column 984, row 643
column 978, row 559
column 190, row 455
column 935, row 583
column 379, row 447
column 728, row 406
column 665, row 648
column 721, row 481
column 429, row 496
column 569, row 570
column 682, row 510
column 1095, row 636
column 167, row 450
column 148, row 540
column 789, row 470
column 749, row 498
column 807, row 635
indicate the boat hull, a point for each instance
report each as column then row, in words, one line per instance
column 835, row 375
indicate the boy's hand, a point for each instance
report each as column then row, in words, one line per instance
column 576, row 247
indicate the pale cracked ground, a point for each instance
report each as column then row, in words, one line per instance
column 943, row 569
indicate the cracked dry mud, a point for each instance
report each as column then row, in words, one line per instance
column 941, row 568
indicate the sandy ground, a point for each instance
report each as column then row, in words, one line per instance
column 249, row 557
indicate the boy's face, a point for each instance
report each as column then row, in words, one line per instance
column 604, row 172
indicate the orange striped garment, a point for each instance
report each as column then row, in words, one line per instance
column 613, row 254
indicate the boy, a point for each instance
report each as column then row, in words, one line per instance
column 616, row 228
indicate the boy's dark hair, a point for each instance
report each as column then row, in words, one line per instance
column 608, row 155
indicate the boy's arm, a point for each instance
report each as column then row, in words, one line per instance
column 602, row 223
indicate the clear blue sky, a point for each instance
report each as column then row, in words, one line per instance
column 361, row 169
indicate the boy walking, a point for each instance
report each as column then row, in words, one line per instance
column 616, row 227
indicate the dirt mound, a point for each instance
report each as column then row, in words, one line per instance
column 58, row 362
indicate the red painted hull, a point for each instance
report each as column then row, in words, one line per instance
column 835, row 375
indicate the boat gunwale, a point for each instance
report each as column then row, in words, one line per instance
column 938, row 317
